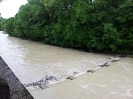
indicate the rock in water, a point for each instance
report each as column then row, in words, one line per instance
column 105, row 64
column 44, row 86
column 91, row 70
column 115, row 59
column 71, row 77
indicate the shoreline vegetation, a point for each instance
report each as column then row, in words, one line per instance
column 101, row 26
column 113, row 54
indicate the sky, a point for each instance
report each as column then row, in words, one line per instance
column 8, row 8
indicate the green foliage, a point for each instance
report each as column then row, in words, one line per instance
column 2, row 24
column 125, row 28
column 111, row 37
column 9, row 26
column 104, row 25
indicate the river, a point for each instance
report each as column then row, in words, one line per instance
column 30, row 61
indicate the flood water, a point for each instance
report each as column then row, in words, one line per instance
column 30, row 61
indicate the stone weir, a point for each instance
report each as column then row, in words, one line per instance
column 10, row 86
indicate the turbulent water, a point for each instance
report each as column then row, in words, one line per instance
column 31, row 61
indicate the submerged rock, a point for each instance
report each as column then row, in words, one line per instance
column 75, row 72
column 114, row 59
column 91, row 70
column 71, row 77
column 107, row 63
column 44, row 86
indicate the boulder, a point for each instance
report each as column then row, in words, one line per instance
column 71, row 77
column 44, row 86
column 91, row 70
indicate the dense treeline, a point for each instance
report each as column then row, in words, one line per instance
column 103, row 25
column 2, row 23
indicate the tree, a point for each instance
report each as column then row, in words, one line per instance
column 2, row 24
column 103, row 25
column 9, row 26
column 125, row 21
column 30, row 20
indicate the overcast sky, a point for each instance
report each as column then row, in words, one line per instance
column 8, row 8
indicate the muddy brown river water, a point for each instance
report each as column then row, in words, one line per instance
column 30, row 61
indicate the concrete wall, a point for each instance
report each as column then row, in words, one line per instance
column 9, row 79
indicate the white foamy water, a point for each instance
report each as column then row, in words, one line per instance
column 31, row 61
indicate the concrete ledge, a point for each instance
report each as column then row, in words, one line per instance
column 17, row 90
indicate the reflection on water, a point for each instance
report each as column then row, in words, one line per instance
column 29, row 60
